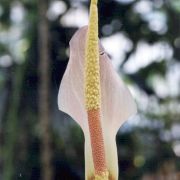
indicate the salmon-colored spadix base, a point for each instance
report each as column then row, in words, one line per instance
column 97, row 142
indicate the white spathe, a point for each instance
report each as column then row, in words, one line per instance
column 117, row 104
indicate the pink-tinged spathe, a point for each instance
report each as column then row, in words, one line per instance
column 117, row 104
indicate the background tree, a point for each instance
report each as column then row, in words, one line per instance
column 44, row 91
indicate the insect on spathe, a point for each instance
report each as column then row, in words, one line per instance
column 93, row 94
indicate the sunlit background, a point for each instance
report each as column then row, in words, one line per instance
column 143, row 40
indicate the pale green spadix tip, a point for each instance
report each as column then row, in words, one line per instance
column 94, row 2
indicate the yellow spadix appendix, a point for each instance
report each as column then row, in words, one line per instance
column 93, row 94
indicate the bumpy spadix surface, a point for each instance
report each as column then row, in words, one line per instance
column 92, row 69
column 92, row 91
column 117, row 104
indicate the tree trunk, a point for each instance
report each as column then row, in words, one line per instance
column 44, row 85
column 11, row 125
